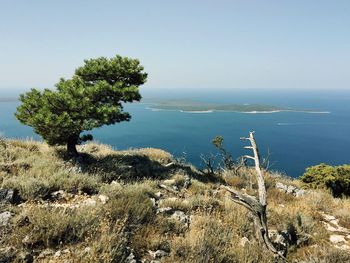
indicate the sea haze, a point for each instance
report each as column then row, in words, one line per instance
column 295, row 140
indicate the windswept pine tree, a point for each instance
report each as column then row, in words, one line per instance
column 93, row 97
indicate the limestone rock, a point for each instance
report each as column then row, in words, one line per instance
column 5, row 218
column 164, row 210
column 158, row 195
column 59, row 195
column 46, row 253
column 243, row 241
column 290, row 189
column 181, row 217
column 158, row 254
column 336, row 239
column 131, row 258
column 7, row 196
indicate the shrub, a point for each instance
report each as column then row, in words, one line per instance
column 335, row 178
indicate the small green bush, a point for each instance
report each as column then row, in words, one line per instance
column 335, row 178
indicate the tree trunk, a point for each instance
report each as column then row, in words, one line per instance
column 71, row 146
column 256, row 206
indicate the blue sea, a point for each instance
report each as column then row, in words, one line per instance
column 295, row 140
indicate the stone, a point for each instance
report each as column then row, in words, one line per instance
column 291, row 189
column 87, row 250
column 25, row 256
column 300, row 193
column 154, row 202
column 164, row 210
column 89, row 202
column 169, row 182
column 59, row 195
column 158, row 195
column 160, row 254
column 343, row 247
column 243, row 241
column 131, row 258
column 336, row 239
column 46, row 253
column 5, row 218
column 281, row 186
column 170, row 199
column 28, row 240
column 328, row 217
column 181, row 217
column 157, row 254
column 103, row 198
column 6, row 195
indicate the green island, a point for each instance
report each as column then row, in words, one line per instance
column 197, row 107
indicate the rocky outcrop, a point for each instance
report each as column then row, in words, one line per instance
column 5, row 218
column 340, row 236
column 290, row 189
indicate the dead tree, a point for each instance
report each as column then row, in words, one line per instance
column 256, row 206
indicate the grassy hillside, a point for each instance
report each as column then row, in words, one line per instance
column 142, row 205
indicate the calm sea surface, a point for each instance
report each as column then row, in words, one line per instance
column 295, row 140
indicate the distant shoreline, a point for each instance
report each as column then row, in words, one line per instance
column 186, row 106
column 8, row 99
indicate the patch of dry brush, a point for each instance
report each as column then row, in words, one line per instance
column 111, row 211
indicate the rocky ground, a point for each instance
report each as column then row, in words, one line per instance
column 144, row 206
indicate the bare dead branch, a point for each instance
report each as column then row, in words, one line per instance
column 256, row 206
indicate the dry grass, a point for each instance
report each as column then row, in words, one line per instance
column 129, row 221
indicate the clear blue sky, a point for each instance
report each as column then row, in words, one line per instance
column 182, row 44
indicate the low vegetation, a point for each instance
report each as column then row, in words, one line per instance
column 334, row 178
column 138, row 205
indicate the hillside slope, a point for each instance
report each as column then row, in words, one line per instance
column 142, row 205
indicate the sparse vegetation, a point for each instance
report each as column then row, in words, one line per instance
column 334, row 178
column 107, row 211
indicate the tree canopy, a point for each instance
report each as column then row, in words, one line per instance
column 93, row 97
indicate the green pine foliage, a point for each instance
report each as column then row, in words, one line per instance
column 335, row 178
column 93, row 97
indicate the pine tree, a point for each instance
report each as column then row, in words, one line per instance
column 93, row 97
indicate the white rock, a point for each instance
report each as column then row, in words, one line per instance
column 157, row 254
column 58, row 254
column 153, row 200
column 337, row 239
column 343, row 247
column 181, row 217
column 5, row 218
column 158, row 194
column 328, row 217
column 160, row 254
column 104, row 199
column 281, row 186
column 45, row 253
column 169, row 181
column 164, row 209
column 89, row 202
column 300, row 192
column 58, row 195
column 243, row 241
column 291, row 189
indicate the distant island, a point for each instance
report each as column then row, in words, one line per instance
column 202, row 107
column 8, row 99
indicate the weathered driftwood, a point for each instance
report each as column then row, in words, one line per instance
column 256, row 206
